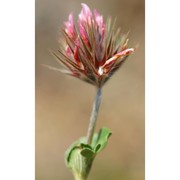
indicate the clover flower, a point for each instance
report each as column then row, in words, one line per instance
column 93, row 50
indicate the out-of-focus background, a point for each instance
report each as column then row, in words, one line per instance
column 63, row 104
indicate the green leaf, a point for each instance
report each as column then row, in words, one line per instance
column 87, row 153
column 101, row 140
column 79, row 156
column 69, row 152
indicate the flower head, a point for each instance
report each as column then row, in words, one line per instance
column 93, row 50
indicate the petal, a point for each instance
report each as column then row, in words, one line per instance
column 68, row 51
column 83, row 32
column 100, row 22
column 113, row 59
column 98, row 18
column 85, row 13
column 69, row 26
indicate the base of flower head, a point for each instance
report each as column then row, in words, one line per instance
column 79, row 156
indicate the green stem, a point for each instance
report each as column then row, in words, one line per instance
column 78, row 177
column 94, row 114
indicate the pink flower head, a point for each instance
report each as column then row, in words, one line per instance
column 94, row 50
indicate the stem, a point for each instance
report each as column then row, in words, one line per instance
column 78, row 177
column 94, row 114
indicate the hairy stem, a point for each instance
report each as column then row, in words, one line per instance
column 94, row 114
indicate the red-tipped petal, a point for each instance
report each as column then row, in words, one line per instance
column 112, row 60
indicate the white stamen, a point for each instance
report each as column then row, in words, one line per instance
column 100, row 71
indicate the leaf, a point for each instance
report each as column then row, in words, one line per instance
column 79, row 156
column 87, row 153
column 102, row 139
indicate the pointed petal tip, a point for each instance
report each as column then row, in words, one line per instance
column 84, row 5
column 71, row 17
column 86, row 11
column 131, row 49
column 126, row 52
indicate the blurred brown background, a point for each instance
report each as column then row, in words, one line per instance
column 63, row 104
